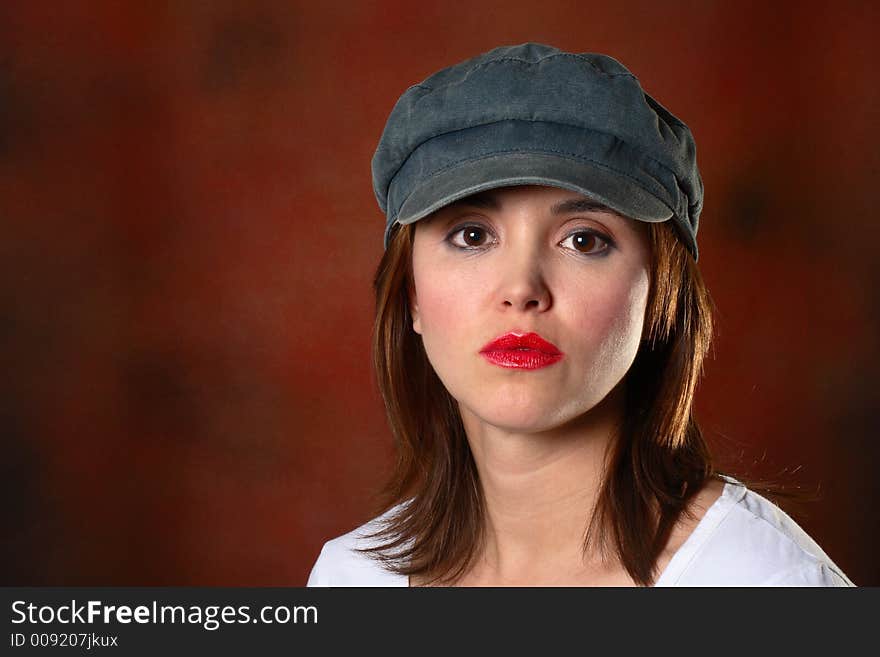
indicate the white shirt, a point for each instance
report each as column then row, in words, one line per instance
column 742, row 540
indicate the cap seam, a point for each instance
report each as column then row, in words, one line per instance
column 572, row 155
column 598, row 70
column 547, row 151
column 480, row 125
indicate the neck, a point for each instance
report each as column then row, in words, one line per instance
column 540, row 489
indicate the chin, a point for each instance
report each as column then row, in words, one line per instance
column 536, row 413
column 517, row 418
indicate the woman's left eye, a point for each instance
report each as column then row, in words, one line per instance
column 588, row 242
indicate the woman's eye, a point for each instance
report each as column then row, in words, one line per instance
column 586, row 241
column 469, row 236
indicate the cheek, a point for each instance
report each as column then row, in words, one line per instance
column 609, row 318
column 442, row 306
column 447, row 319
column 441, row 294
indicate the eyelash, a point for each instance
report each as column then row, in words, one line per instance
column 609, row 243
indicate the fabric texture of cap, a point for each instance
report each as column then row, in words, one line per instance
column 533, row 114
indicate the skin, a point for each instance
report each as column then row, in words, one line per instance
column 517, row 260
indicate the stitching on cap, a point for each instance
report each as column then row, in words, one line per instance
column 480, row 125
column 526, row 61
column 548, row 151
column 553, row 56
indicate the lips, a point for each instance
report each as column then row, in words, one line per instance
column 527, row 351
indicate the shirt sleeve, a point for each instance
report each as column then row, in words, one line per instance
column 318, row 575
column 813, row 574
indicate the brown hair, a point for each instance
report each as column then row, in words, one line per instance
column 657, row 463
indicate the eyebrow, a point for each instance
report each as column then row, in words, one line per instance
column 580, row 205
column 479, row 200
column 490, row 201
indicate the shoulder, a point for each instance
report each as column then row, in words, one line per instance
column 746, row 540
column 341, row 564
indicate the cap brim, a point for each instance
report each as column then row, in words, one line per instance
column 501, row 170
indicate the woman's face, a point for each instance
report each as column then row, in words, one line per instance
column 529, row 260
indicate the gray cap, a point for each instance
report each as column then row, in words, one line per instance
column 535, row 115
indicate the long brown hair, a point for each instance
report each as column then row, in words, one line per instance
column 657, row 463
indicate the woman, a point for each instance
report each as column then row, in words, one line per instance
column 540, row 328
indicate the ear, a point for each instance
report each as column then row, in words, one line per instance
column 414, row 310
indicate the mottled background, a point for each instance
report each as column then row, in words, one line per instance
column 189, row 237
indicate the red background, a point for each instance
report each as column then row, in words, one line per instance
column 189, row 237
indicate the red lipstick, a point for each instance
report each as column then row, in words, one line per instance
column 523, row 352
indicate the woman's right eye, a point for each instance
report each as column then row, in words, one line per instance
column 468, row 237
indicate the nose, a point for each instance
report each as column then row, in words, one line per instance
column 523, row 284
